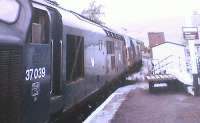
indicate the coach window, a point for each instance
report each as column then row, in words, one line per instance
column 40, row 27
column 110, row 47
column 74, row 57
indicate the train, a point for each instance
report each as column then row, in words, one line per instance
column 52, row 59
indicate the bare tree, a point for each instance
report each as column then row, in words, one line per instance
column 94, row 12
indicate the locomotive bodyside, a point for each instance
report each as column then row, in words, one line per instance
column 103, row 58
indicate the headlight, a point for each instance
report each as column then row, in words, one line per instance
column 10, row 10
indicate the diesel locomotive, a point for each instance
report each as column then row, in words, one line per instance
column 52, row 59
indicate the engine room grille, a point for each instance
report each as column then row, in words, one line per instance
column 10, row 84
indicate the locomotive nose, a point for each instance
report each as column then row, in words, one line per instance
column 10, row 85
column 15, row 18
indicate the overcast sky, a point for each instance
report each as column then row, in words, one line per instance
column 123, row 13
column 120, row 11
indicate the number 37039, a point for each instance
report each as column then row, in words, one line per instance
column 35, row 73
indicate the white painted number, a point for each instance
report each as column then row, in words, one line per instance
column 35, row 73
column 31, row 74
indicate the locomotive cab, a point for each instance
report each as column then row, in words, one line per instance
column 37, row 61
column 30, row 62
column 43, row 65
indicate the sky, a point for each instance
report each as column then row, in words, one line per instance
column 127, row 14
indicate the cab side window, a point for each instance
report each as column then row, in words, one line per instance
column 40, row 27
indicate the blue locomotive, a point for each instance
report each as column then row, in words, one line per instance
column 52, row 59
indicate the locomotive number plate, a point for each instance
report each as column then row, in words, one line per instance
column 35, row 73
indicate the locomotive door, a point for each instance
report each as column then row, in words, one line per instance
column 37, row 55
column 56, row 42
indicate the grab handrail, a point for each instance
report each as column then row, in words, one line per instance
column 161, row 64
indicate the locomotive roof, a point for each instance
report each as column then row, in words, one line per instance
column 76, row 20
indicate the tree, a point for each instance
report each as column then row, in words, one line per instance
column 94, row 12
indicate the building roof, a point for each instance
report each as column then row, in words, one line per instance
column 169, row 43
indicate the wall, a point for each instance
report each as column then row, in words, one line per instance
column 174, row 52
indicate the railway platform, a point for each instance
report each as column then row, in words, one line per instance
column 135, row 104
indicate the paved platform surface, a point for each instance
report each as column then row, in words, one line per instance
column 137, row 105
column 142, row 107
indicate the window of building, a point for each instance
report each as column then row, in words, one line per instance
column 40, row 27
column 110, row 47
column 74, row 57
